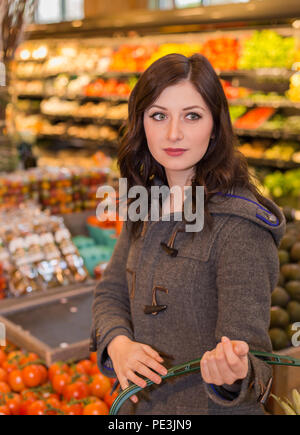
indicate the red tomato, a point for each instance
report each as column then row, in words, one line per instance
column 4, row 388
column 59, row 382
column 3, row 375
column 57, row 369
column 44, row 374
column 109, row 399
column 13, row 401
column 15, row 381
column 98, row 408
column 78, row 390
column 28, row 397
column 9, row 366
column 32, row 376
column 99, row 386
column 95, row 370
column 28, row 357
column 4, row 410
column 37, row 408
column 69, row 409
column 3, row 357
column 93, row 357
column 84, row 367
column 53, row 406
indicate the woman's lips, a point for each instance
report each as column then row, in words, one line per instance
column 174, row 151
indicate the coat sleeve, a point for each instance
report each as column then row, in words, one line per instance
column 247, row 270
column 111, row 306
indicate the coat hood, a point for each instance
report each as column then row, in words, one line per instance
column 242, row 202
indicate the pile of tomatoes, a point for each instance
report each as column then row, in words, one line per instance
column 28, row 387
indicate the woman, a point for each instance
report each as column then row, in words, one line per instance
column 169, row 296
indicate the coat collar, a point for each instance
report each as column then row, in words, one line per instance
column 241, row 202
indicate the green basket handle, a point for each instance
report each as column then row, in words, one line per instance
column 193, row 366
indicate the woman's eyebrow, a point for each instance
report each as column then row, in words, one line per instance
column 186, row 108
column 159, row 107
column 194, row 107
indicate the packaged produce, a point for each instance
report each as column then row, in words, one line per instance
column 37, row 251
column 3, row 282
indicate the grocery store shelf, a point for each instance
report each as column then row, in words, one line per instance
column 272, row 134
column 112, row 98
column 278, row 73
column 106, row 75
column 282, row 74
column 283, row 103
column 78, row 142
column 43, row 297
column 276, row 164
column 85, row 119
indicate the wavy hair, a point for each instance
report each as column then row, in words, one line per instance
column 220, row 169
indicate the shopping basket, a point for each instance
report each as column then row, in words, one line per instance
column 193, row 366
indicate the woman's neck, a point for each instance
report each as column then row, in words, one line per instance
column 180, row 179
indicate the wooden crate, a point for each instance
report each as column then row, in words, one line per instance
column 57, row 326
column 285, row 379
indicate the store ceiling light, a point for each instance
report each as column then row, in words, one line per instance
column 25, row 54
column 296, row 24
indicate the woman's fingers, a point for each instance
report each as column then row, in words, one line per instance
column 214, row 370
column 224, row 368
column 237, row 356
column 227, row 363
column 147, row 373
column 154, row 365
column 124, row 384
column 151, row 352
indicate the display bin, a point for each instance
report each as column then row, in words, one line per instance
column 56, row 327
column 285, row 379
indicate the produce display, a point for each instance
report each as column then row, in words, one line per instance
column 267, row 49
column 29, row 387
column 254, row 118
column 279, row 150
column 78, row 92
column 60, row 190
column 37, row 251
column 284, row 187
column 294, row 91
column 290, row 407
column 3, row 281
column 285, row 309
column 223, row 53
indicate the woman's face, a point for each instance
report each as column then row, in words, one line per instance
column 178, row 127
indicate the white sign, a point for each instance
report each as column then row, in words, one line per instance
column 2, row 335
column 2, row 74
column 296, row 336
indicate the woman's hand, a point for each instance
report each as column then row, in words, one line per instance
column 129, row 357
column 226, row 364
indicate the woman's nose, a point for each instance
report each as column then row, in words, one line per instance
column 175, row 132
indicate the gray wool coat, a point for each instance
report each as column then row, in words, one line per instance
column 218, row 284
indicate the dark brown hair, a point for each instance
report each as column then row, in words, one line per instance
column 221, row 168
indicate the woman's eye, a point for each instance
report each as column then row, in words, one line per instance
column 193, row 116
column 158, row 116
